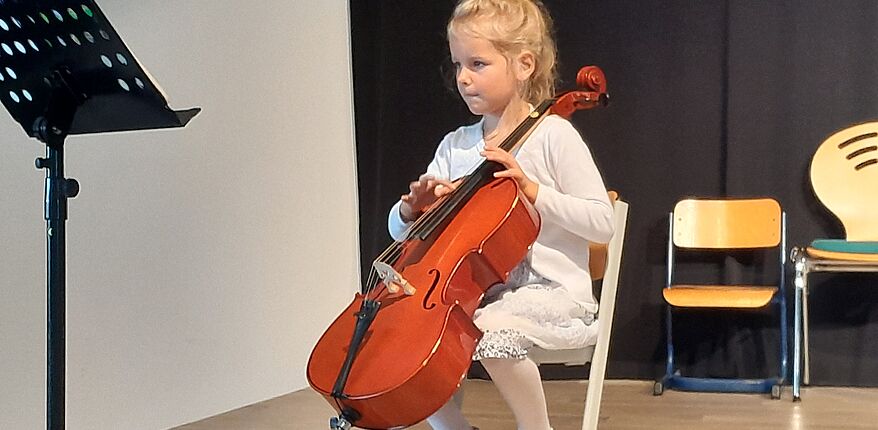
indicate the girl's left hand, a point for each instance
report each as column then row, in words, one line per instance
column 513, row 170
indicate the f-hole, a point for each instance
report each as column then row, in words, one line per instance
column 436, row 276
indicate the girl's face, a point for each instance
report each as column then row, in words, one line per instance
column 485, row 78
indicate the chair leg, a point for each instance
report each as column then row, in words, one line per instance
column 784, row 342
column 595, row 390
column 807, row 369
column 598, row 368
column 798, row 286
column 667, row 380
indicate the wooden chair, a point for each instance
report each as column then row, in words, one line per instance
column 730, row 225
column 844, row 175
column 604, row 264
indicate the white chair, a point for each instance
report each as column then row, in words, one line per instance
column 596, row 355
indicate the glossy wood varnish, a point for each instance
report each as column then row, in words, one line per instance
column 419, row 347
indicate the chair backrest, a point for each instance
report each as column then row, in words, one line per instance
column 844, row 175
column 727, row 223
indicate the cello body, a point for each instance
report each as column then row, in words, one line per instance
column 419, row 347
column 398, row 352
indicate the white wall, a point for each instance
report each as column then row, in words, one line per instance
column 203, row 263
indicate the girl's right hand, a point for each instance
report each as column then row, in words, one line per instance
column 423, row 193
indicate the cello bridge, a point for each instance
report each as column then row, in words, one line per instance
column 392, row 279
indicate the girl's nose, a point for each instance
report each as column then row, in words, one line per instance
column 463, row 77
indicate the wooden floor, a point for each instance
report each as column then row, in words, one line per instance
column 626, row 405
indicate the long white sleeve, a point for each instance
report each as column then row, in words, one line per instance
column 395, row 225
column 439, row 167
column 577, row 200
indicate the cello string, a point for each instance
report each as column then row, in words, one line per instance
column 439, row 212
column 468, row 185
column 511, row 141
column 427, row 217
column 373, row 273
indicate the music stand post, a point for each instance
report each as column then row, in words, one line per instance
column 64, row 70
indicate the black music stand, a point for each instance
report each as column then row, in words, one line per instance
column 64, row 70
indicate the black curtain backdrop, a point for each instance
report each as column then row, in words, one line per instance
column 708, row 99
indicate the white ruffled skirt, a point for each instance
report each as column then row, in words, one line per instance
column 531, row 310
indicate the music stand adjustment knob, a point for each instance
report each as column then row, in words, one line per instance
column 71, row 188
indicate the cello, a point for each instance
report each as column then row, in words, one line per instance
column 399, row 351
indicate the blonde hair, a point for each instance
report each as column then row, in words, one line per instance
column 513, row 26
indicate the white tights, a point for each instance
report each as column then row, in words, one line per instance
column 518, row 382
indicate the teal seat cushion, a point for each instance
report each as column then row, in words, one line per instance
column 839, row 245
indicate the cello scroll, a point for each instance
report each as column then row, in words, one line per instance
column 592, row 92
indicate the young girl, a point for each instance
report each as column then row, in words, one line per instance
column 504, row 58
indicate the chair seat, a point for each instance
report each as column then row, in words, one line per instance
column 836, row 249
column 569, row 357
column 719, row 296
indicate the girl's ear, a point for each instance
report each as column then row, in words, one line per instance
column 524, row 65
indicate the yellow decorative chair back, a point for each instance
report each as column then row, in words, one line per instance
column 844, row 175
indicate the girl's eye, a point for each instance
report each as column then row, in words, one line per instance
column 478, row 63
